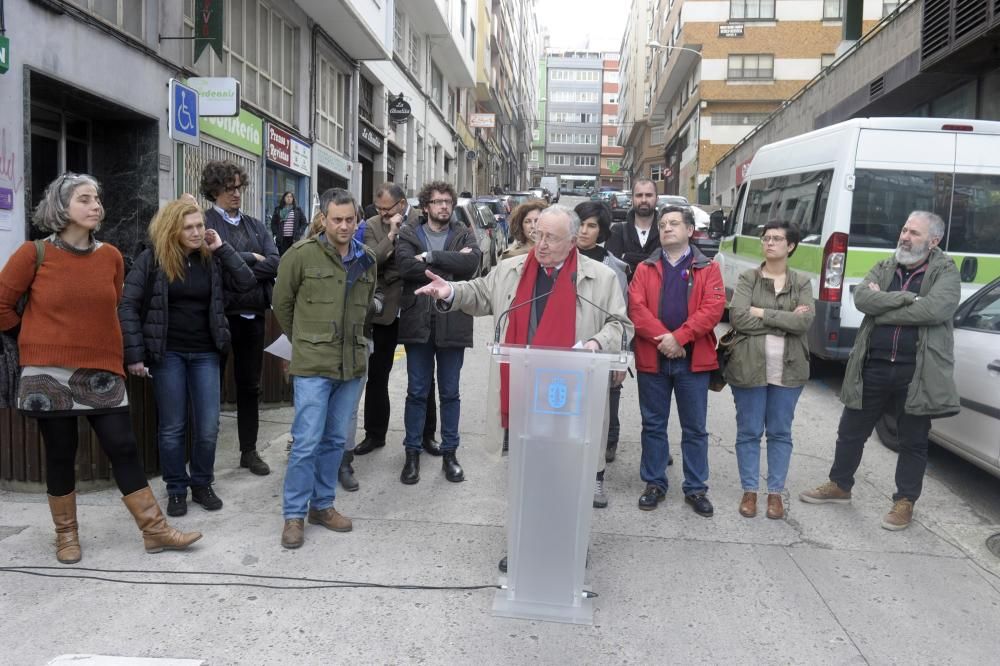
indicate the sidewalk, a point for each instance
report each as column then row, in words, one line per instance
column 827, row 585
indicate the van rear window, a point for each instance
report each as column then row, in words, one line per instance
column 799, row 199
column 884, row 199
column 975, row 215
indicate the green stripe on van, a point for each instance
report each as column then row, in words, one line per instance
column 809, row 259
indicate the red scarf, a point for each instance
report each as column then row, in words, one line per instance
column 557, row 327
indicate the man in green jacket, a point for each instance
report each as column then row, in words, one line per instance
column 324, row 289
column 901, row 363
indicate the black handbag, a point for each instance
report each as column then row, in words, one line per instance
column 725, row 339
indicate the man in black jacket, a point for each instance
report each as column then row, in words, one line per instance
column 636, row 238
column 223, row 183
column 448, row 248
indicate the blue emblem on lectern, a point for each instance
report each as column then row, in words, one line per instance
column 558, row 392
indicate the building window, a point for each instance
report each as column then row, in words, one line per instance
column 260, row 50
column 889, row 6
column 750, row 10
column 414, row 62
column 331, row 106
column 751, row 67
column 472, row 40
column 585, row 160
column 833, row 10
column 463, row 16
column 366, row 104
column 534, row 156
column 656, row 136
column 437, row 86
column 399, row 35
column 656, row 172
column 535, row 135
column 559, row 160
column 612, row 141
column 126, row 15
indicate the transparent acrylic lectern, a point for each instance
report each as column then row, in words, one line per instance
column 557, row 429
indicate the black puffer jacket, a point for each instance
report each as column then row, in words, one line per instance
column 257, row 300
column 143, row 315
column 624, row 242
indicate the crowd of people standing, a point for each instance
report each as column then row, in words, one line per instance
column 347, row 290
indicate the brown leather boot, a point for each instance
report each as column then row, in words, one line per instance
column 775, row 506
column 157, row 536
column 748, row 505
column 67, row 539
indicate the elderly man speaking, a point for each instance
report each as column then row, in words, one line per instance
column 575, row 298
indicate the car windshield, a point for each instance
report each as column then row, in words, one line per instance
column 671, row 200
column 494, row 206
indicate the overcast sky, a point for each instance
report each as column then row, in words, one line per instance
column 572, row 23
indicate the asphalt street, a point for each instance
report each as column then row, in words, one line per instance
column 825, row 585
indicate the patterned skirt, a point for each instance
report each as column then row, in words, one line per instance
column 47, row 392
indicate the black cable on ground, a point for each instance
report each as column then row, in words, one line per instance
column 314, row 583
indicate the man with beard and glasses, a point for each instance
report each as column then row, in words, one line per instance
column 636, row 238
column 901, row 364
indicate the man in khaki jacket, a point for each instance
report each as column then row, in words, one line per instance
column 562, row 279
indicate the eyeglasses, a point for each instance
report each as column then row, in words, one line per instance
column 233, row 189
column 386, row 211
column 439, row 202
column 546, row 239
column 769, row 240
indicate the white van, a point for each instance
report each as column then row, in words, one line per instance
column 849, row 188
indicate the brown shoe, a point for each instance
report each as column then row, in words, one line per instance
column 67, row 539
column 900, row 516
column 157, row 536
column 748, row 505
column 828, row 493
column 775, row 506
column 292, row 536
column 330, row 519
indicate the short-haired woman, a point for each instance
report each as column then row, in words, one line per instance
column 70, row 345
column 174, row 321
column 522, row 223
column 288, row 223
column 771, row 311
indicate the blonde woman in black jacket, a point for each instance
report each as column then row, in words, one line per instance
column 175, row 329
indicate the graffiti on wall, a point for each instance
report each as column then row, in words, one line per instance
column 11, row 181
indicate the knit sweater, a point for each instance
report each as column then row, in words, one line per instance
column 71, row 320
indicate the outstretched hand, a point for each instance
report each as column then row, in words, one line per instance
column 438, row 288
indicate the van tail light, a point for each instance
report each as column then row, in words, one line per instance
column 831, row 285
column 958, row 128
column 699, row 234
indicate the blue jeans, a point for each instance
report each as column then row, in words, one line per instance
column 420, row 360
column 180, row 379
column 691, row 389
column 322, row 416
column 761, row 409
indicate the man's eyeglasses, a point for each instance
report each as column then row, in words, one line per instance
column 232, row 189
column 440, row 202
column 547, row 239
column 386, row 211
column 769, row 240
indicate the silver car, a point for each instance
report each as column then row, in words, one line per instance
column 974, row 433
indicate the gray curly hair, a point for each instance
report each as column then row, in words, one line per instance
column 52, row 213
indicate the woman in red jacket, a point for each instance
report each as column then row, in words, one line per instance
column 70, row 345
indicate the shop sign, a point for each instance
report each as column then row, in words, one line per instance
column 208, row 26
column 399, row 110
column 370, row 138
column 6, row 198
column 486, row 120
column 183, row 113
column 730, row 30
column 287, row 151
column 244, row 131
column 217, row 95
column 331, row 161
column 4, row 54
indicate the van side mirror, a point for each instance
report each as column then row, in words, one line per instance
column 717, row 223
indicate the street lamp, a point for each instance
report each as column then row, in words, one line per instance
column 655, row 45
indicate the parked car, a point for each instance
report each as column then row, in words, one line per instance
column 605, row 195
column 501, row 211
column 488, row 220
column 702, row 239
column 469, row 213
column 974, row 433
column 539, row 193
column 620, row 203
column 515, row 199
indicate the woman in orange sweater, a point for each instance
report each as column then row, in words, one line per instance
column 70, row 345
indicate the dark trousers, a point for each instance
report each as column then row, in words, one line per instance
column 247, row 355
column 885, row 386
column 377, row 407
column 614, row 425
column 285, row 242
column 114, row 432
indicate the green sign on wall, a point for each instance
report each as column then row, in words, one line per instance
column 4, row 54
column 244, row 131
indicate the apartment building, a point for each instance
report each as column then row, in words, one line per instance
column 574, row 121
column 611, row 151
column 720, row 68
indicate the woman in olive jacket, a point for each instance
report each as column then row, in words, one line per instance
column 771, row 311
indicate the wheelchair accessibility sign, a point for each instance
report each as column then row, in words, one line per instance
column 558, row 392
column 183, row 120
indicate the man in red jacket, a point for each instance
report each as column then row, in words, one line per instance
column 675, row 300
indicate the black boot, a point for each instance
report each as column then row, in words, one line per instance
column 346, row 472
column 411, row 469
column 431, row 446
column 452, row 470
